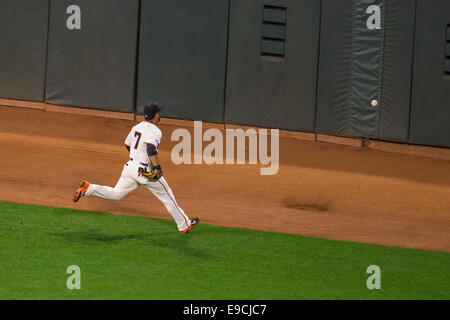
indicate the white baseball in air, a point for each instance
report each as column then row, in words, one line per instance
column 374, row 103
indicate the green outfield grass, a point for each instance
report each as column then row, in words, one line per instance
column 125, row 257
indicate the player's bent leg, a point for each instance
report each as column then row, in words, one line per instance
column 123, row 187
column 163, row 192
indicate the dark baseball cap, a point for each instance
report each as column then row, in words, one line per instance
column 151, row 109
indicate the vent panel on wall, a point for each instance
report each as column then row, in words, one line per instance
column 272, row 63
column 273, row 31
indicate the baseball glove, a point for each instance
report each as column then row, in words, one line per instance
column 154, row 174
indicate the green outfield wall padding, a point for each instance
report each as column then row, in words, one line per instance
column 333, row 92
column 272, row 82
column 366, row 55
column 366, row 69
column 92, row 53
column 397, row 70
column 182, row 57
column 23, row 48
column 430, row 108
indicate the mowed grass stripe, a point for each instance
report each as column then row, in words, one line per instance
column 126, row 257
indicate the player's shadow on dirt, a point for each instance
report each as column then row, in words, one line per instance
column 167, row 240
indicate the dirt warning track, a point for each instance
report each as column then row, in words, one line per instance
column 321, row 190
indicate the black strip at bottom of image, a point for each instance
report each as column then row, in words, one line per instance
column 228, row 309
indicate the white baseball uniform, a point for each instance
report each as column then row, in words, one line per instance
column 140, row 135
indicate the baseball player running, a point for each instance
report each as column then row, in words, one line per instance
column 143, row 168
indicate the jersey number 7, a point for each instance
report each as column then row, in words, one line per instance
column 137, row 134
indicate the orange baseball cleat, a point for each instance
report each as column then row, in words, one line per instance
column 194, row 223
column 81, row 191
